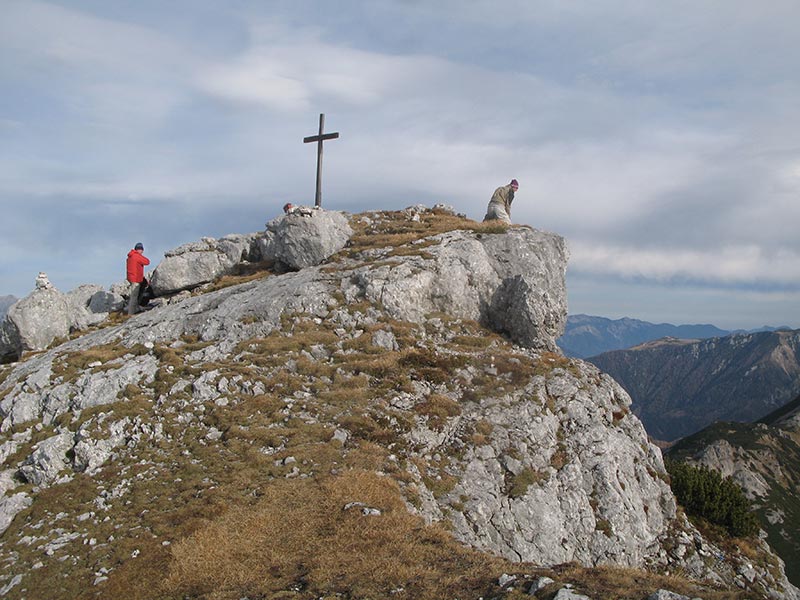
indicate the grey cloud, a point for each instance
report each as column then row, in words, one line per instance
column 656, row 127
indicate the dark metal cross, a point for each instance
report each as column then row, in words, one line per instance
column 319, row 139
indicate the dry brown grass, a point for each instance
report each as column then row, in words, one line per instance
column 71, row 365
column 481, row 433
column 438, row 408
column 619, row 583
column 548, row 361
column 279, row 343
column 245, row 274
column 300, row 537
column 299, row 542
column 397, row 231
column 431, row 365
column 475, row 342
column 372, row 428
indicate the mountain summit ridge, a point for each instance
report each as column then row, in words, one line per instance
column 412, row 375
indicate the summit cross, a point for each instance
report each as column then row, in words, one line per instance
column 319, row 138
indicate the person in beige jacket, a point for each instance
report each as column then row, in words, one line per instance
column 500, row 205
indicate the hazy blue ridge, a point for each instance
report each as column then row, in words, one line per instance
column 763, row 328
column 587, row 335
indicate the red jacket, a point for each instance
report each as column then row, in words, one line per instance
column 136, row 263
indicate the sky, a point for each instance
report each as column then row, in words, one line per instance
column 661, row 139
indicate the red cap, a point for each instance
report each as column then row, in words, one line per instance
column 514, row 183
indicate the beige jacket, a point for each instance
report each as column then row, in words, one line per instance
column 503, row 196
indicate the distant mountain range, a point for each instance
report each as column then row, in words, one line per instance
column 587, row 335
column 764, row 458
column 685, row 384
column 5, row 303
column 680, row 386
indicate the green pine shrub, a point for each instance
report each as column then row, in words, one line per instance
column 704, row 493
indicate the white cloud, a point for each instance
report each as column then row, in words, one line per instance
column 725, row 265
column 258, row 81
column 289, row 76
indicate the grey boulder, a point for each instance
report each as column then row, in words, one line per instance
column 196, row 263
column 513, row 282
column 539, row 584
column 80, row 308
column 34, row 322
column 106, row 301
column 305, row 240
column 568, row 594
column 46, row 314
column 531, row 302
column 9, row 507
column 45, row 464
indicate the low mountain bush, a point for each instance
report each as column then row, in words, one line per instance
column 704, row 493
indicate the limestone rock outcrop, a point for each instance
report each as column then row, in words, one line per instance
column 34, row 322
column 41, row 399
column 196, row 263
column 293, row 241
column 568, row 475
column 46, row 314
column 304, row 240
column 84, row 310
column 513, row 282
column 45, row 464
column 10, row 506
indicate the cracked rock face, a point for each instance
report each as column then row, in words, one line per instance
column 513, row 282
column 568, row 475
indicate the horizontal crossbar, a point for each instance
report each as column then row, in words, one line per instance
column 316, row 138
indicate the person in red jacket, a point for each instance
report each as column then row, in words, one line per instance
column 135, row 267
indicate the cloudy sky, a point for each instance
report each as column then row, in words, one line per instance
column 662, row 139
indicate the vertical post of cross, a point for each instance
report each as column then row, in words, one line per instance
column 319, row 138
